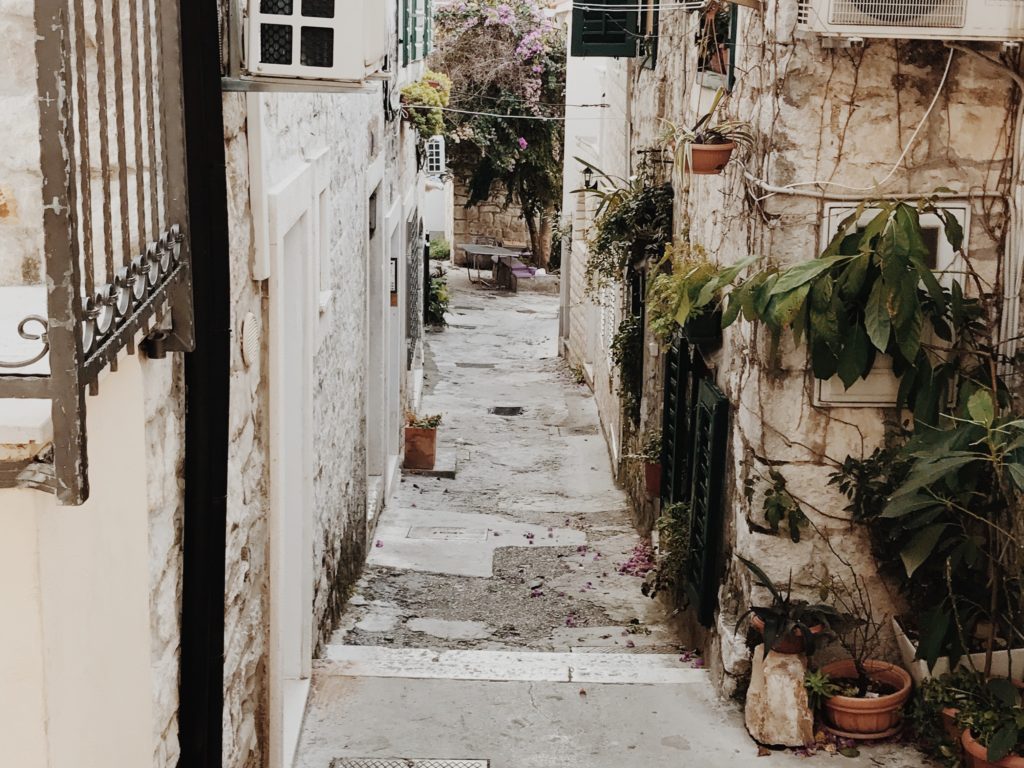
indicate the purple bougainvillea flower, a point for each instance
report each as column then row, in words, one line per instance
column 523, row 144
column 379, row 543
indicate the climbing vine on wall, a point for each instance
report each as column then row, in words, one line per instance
column 627, row 353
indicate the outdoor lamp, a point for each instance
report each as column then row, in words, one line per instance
column 588, row 178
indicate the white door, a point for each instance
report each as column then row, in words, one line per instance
column 293, row 307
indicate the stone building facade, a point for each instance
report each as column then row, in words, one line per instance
column 359, row 160
column 830, row 120
column 489, row 219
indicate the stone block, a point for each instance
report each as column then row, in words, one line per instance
column 777, row 712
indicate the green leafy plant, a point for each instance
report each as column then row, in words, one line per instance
column 627, row 354
column 686, row 285
column 953, row 690
column 650, row 448
column 422, row 422
column 819, row 687
column 673, row 552
column 855, row 625
column 423, row 103
column 995, row 717
column 633, row 221
column 438, row 300
column 956, row 520
column 440, row 250
column 786, row 616
column 779, row 505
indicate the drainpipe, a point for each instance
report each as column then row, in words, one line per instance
column 207, row 371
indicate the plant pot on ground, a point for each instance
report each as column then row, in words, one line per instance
column 421, row 441
column 650, row 455
column 875, row 713
column 787, row 626
column 993, row 723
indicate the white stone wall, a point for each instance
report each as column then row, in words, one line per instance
column 841, row 115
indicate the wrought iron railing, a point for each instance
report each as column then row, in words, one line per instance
column 114, row 223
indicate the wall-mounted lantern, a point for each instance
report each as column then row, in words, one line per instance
column 394, row 282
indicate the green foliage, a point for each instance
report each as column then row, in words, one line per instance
column 673, row 552
column 423, row 103
column 995, row 717
column 632, row 222
column 786, row 616
column 506, row 59
column 438, row 300
column 422, row 422
column 440, row 250
column 650, row 449
column 706, row 131
column 627, row 353
column 924, row 711
column 779, row 505
column 819, row 687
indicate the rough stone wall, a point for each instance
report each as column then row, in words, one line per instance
column 21, row 206
column 833, row 114
column 488, row 219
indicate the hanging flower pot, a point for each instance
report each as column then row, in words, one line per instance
column 708, row 159
column 868, row 718
column 652, row 479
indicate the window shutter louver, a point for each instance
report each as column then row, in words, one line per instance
column 608, row 33
column 710, row 437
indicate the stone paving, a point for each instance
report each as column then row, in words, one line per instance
column 492, row 621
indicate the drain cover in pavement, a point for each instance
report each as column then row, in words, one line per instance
column 474, row 365
column 402, row 762
column 507, row 410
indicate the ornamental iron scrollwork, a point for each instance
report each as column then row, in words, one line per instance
column 29, row 336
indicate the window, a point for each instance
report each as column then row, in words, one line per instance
column 417, row 30
column 881, row 386
column 716, row 46
column 436, row 161
column 608, row 33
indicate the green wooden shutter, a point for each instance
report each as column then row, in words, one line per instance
column 428, row 27
column 414, row 30
column 406, row 36
column 609, row 33
column 675, row 427
column 710, row 437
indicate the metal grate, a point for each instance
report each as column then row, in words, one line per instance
column 899, row 13
column 403, row 762
column 276, row 44
column 320, row 9
column 317, row 47
column 276, row 7
column 507, row 410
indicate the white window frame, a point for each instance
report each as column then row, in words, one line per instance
column 881, row 386
column 436, row 160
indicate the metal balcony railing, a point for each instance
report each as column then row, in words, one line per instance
column 113, row 185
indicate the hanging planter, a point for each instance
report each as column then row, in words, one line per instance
column 707, row 147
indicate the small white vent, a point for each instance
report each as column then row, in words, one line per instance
column 436, row 162
column 900, row 13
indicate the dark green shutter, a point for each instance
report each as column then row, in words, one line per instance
column 406, row 26
column 609, row 33
column 414, row 21
column 428, row 27
column 675, row 448
column 710, row 437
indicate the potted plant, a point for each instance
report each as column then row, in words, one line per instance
column 686, row 292
column 421, row 440
column 993, row 723
column 787, row 625
column 650, row 454
column 933, row 712
column 707, row 147
column 872, row 692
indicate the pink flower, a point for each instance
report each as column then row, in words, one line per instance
column 523, row 144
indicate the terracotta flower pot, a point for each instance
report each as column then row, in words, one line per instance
column 652, row 479
column 876, row 718
column 708, row 159
column 420, row 448
column 977, row 755
column 948, row 717
column 788, row 644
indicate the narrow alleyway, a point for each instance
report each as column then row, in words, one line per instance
column 493, row 621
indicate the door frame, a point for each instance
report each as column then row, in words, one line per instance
column 290, row 204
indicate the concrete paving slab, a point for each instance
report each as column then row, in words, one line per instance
column 418, row 663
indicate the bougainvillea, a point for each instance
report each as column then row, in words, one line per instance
column 506, row 59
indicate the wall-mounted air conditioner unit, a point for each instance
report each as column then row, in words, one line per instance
column 331, row 42
column 996, row 20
